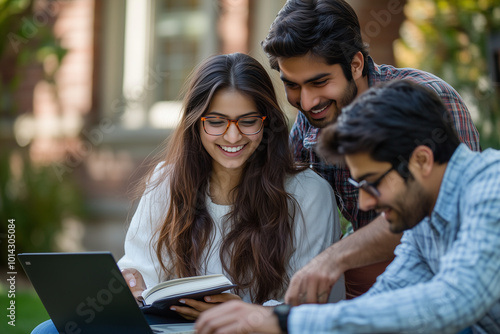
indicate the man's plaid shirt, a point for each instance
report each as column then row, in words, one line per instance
column 303, row 136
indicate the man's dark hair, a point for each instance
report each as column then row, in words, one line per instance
column 388, row 122
column 328, row 29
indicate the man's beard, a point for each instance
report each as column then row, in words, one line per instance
column 412, row 207
column 350, row 93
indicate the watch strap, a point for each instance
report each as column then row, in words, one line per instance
column 282, row 311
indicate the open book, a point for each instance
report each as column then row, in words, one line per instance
column 160, row 297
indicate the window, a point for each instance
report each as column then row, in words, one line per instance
column 185, row 33
column 164, row 41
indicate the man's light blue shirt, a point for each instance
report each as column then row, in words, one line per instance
column 446, row 274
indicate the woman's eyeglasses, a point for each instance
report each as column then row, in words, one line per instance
column 248, row 125
column 370, row 187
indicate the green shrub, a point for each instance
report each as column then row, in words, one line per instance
column 37, row 200
column 452, row 39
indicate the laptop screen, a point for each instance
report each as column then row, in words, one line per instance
column 84, row 292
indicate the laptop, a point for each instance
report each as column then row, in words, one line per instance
column 86, row 293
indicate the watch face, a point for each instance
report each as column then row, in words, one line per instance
column 282, row 309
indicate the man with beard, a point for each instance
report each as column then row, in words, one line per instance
column 316, row 46
column 409, row 165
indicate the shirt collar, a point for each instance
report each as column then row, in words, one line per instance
column 311, row 137
column 374, row 72
column 446, row 206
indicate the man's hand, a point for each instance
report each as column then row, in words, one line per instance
column 193, row 308
column 313, row 283
column 238, row 317
column 371, row 244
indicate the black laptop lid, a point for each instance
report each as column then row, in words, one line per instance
column 84, row 292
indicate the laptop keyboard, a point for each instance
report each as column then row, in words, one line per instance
column 183, row 332
column 173, row 329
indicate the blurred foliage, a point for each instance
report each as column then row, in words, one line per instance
column 452, row 39
column 26, row 37
column 37, row 200
column 29, row 193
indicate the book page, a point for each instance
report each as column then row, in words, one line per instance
column 185, row 285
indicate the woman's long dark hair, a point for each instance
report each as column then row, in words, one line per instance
column 258, row 243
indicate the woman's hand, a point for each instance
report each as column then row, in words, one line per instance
column 193, row 307
column 135, row 282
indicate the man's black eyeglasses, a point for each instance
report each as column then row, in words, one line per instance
column 369, row 187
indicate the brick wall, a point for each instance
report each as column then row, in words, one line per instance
column 75, row 27
column 380, row 21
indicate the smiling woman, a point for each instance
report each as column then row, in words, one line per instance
column 226, row 196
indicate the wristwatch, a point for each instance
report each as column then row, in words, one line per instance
column 282, row 311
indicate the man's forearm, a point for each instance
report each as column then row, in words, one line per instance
column 370, row 244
